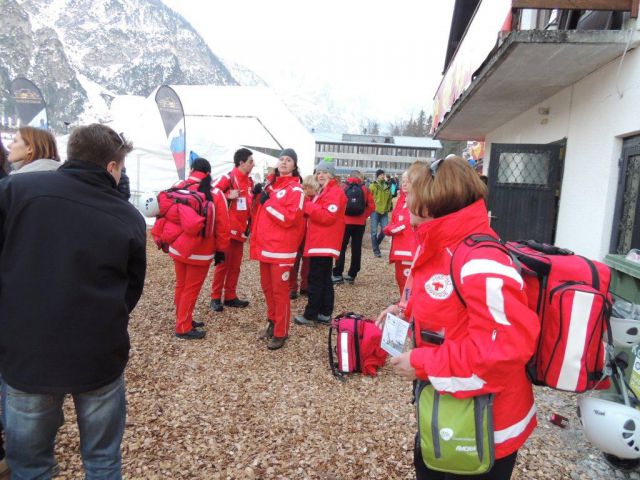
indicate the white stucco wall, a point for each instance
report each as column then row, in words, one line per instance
column 594, row 118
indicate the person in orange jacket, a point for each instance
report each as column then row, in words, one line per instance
column 325, row 229
column 237, row 185
column 403, row 238
column 192, row 252
column 275, row 236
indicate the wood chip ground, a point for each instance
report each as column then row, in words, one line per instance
column 227, row 408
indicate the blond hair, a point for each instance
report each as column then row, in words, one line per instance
column 454, row 186
column 310, row 182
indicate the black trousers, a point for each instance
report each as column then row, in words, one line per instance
column 320, row 288
column 355, row 234
column 501, row 470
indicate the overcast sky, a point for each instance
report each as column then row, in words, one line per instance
column 388, row 54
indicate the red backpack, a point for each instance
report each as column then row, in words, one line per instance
column 571, row 296
column 195, row 200
column 357, row 348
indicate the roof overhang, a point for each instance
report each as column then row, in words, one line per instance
column 527, row 68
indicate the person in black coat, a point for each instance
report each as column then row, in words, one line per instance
column 72, row 268
column 3, row 160
column 123, row 185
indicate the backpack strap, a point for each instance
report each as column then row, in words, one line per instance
column 356, row 340
column 332, row 363
column 471, row 242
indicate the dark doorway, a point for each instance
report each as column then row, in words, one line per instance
column 626, row 231
column 524, row 190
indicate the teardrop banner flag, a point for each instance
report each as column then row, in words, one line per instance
column 172, row 115
column 30, row 105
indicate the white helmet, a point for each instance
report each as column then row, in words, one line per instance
column 625, row 331
column 610, row 425
column 149, row 204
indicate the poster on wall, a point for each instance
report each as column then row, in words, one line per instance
column 172, row 115
column 29, row 103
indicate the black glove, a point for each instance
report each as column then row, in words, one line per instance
column 218, row 257
column 264, row 197
column 257, row 188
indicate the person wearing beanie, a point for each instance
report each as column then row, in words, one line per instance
column 325, row 229
column 237, row 186
column 379, row 217
column 275, row 236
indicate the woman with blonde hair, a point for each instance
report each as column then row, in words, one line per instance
column 403, row 238
column 33, row 150
column 473, row 330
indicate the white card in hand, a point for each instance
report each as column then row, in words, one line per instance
column 394, row 335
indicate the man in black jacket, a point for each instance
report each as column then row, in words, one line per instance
column 72, row 267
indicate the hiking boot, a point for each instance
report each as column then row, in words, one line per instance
column 276, row 342
column 293, row 295
column 302, row 320
column 216, row 305
column 267, row 333
column 349, row 279
column 192, row 335
column 236, row 303
column 197, row 324
column 337, row 279
column 325, row 319
column 304, row 293
column 378, row 254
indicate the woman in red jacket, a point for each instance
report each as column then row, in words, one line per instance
column 403, row 238
column 325, row 229
column 275, row 237
column 191, row 251
column 479, row 346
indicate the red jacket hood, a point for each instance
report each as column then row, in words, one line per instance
column 448, row 230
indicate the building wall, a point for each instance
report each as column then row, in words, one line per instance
column 595, row 115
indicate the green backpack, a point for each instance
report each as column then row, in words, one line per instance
column 456, row 435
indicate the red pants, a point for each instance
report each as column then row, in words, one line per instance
column 274, row 279
column 226, row 273
column 402, row 272
column 189, row 280
column 302, row 265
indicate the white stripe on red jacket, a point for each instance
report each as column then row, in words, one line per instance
column 238, row 219
column 403, row 238
column 488, row 343
column 325, row 224
column 278, row 228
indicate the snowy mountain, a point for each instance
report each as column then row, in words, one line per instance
column 81, row 53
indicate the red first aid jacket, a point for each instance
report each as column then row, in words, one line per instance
column 487, row 343
column 180, row 226
column 370, row 204
column 278, row 228
column 325, row 224
column 239, row 208
column 403, row 238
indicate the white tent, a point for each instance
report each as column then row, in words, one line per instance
column 218, row 121
column 249, row 116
